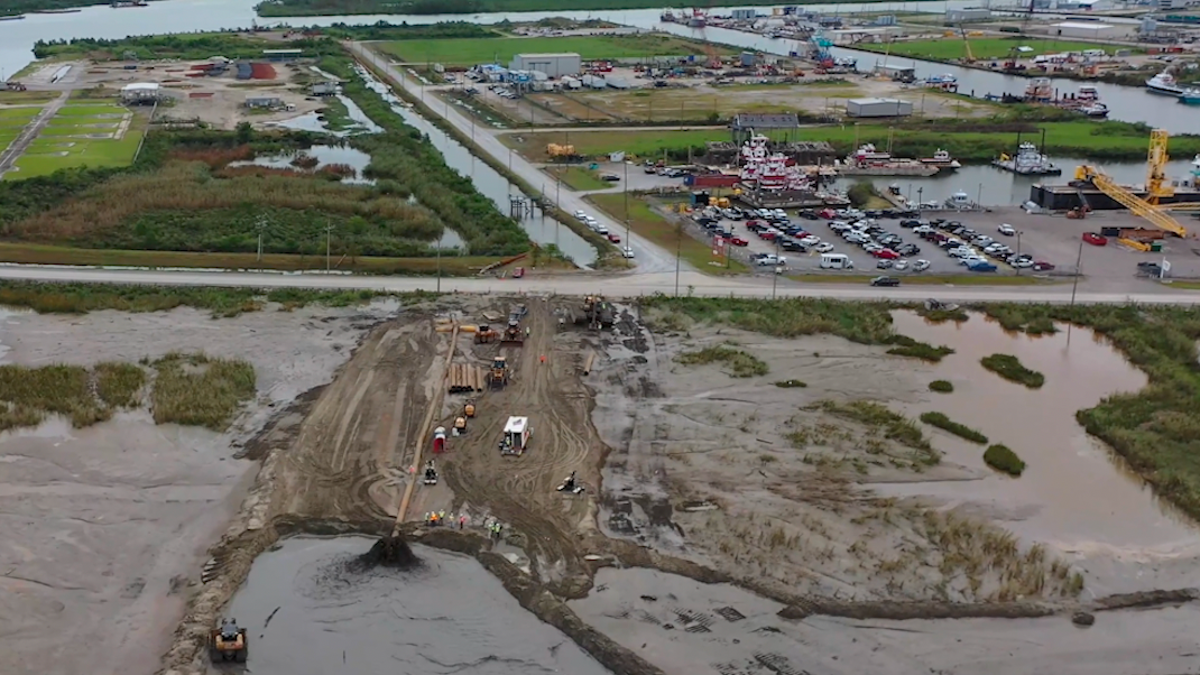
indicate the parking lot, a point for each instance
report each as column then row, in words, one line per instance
column 1049, row 244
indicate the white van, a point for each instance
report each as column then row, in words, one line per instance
column 836, row 261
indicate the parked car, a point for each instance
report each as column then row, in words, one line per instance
column 900, row 265
column 824, row 247
column 982, row 266
column 828, row 214
column 1095, row 239
column 581, row 216
column 910, row 223
column 884, row 264
column 921, row 265
column 627, row 252
column 908, row 250
column 610, row 177
column 614, row 238
column 769, row 259
column 885, row 281
column 1042, row 266
column 1006, row 230
column 886, row 254
column 738, row 241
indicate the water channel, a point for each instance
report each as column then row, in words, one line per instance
column 1076, row 494
column 310, row 610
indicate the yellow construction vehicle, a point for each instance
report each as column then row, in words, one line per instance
column 970, row 57
column 469, row 408
column 499, row 375
column 228, row 643
column 485, row 334
column 460, row 426
column 1156, row 187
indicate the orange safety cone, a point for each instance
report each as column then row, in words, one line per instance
column 543, row 358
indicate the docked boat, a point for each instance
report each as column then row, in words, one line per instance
column 667, row 16
column 1027, row 162
column 18, row 17
column 1190, row 96
column 1164, row 83
column 1095, row 110
column 697, row 19
column 960, row 201
column 942, row 160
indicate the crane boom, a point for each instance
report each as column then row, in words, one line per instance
column 1135, row 204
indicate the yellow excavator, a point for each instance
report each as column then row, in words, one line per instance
column 228, row 643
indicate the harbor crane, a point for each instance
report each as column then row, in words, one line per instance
column 970, row 57
column 1157, row 187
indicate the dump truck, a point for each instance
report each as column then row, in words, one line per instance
column 485, row 334
column 228, row 643
column 498, row 378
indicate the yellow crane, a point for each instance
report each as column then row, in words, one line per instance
column 1157, row 187
column 970, row 58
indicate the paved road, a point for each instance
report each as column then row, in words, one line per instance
column 615, row 286
column 584, row 130
column 650, row 258
column 29, row 133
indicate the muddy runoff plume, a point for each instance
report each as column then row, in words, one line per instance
column 390, row 551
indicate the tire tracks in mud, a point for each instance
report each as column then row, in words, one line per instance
column 520, row 491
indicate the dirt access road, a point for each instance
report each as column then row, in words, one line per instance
column 520, row 491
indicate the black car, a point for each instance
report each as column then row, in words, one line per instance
column 808, row 214
column 885, row 281
column 792, row 245
column 908, row 250
column 910, row 223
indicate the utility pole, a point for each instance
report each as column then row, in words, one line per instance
column 776, row 270
column 1075, row 287
column 441, row 237
column 328, row 235
column 261, row 226
column 1019, row 233
column 626, row 181
column 678, row 252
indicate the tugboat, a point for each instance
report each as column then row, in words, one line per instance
column 1027, row 162
column 1190, row 96
column 667, row 16
column 942, row 160
column 1164, row 83
column 1096, row 110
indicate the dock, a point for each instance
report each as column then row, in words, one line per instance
column 1067, row 197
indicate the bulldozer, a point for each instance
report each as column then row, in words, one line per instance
column 485, row 334
column 499, row 376
column 228, row 643
column 469, row 408
column 513, row 335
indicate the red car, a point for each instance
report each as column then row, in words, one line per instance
column 886, row 254
column 738, row 241
column 1042, row 266
column 616, row 239
column 1095, row 239
column 827, row 214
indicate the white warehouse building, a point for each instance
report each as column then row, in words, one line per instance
column 554, row 65
column 878, row 107
column 1087, row 30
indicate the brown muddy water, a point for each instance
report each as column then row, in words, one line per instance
column 685, row 627
column 1075, row 494
column 309, row 609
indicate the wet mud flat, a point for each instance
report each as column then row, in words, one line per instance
column 766, row 485
column 683, row 626
column 311, row 607
column 103, row 529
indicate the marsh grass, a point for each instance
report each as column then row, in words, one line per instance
column 1010, row 368
column 790, row 384
column 917, row 350
column 891, row 425
column 941, row 386
column 30, row 394
column 199, row 390
column 1001, row 458
column 941, row 421
column 740, row 363
column 119, row 385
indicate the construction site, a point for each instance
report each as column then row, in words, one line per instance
column 544, row 454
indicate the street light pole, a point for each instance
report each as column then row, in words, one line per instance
column 1075, row 287
column 776, row 269
column 1019, row 233
column 439, row 260
column 328, row 235
column 626, row 187
column 678, row 252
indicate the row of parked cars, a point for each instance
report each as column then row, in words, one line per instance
column 974, row 249
column 887, row 247
column 599, row 228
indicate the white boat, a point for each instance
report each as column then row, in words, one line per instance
column 942, row 159
column 1088, row 94
column 1028, row 162
column 1164, row 83
column 959, row 200
column 1096, row 110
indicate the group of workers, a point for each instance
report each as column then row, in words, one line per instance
column 438, row 518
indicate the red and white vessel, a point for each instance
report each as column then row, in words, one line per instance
column 942, row 160
column 770, row 172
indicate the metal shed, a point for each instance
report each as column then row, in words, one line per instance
column 878, row 107
column 554, row 65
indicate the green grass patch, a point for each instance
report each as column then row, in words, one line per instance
column 1001, row 458
column 791, row 384
column 740, row 363
column 952, row 48
column 39, row 254
column 473, row 51
column 198, row 390
column 654, row 226
column 89, row 110
column 939, row 420
column 119, row 385
column 72, row 298
column 29, row 394
column 958, row 315
column 18, row 116
column 579, row 178
column 941, row 386
column 1010, row 368
column 918, row 350
column 891, row 425
column 24, row 97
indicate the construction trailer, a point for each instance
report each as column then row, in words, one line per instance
column 517, row 433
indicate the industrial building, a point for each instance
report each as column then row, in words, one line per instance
column 743, row 14
column 1086, row 30
column 140, row 93
column 554, row 65
column 966, row 15
column 278, row 55
column 264, row 102
column 878, row 107
column 324, row 89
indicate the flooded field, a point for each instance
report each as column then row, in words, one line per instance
column 683, row 626
column 309, row 610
